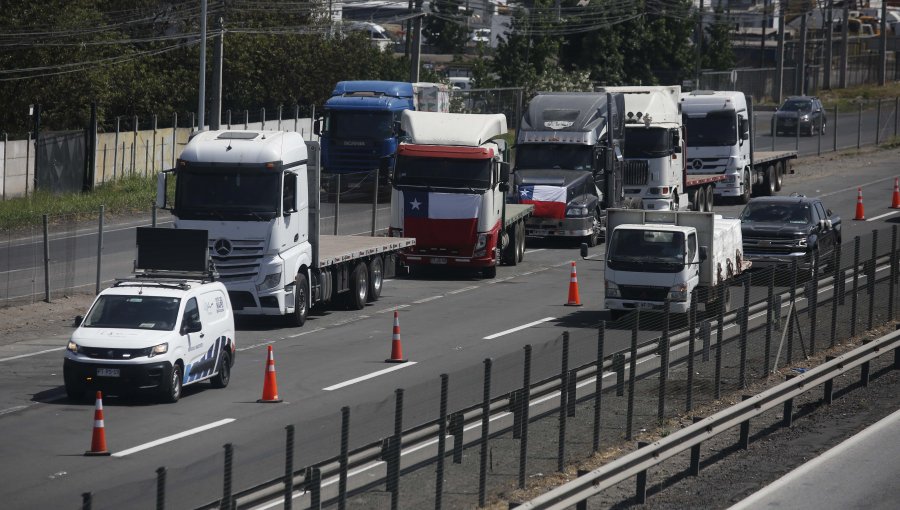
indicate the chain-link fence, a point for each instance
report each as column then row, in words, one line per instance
column 469, row 435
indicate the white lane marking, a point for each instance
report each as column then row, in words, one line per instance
column 885, row 215
column 369, row 376
column 851, row 188
column 520, row 328
column 305, row 332
column 256, row 345
column 20, row 356
column 535, row 250
column 174, row 437
column 11, row 271
column 464, row 289
column 392, row 309
column 12, row 410
column 425, row 300
column 498, row 280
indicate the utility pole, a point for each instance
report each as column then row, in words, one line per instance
column 845, row 26
column 779, row 55
column 699, row 46
column 416, row 54
column 829, row 42
column 409, row 27
column 882, row 69
column 215, row 120
column 762, row 34
column 201, row 96
column 801, row 61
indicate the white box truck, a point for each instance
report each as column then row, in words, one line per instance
column 655, row 256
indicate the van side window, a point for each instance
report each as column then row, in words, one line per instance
column 191, row 314
column 692, row 247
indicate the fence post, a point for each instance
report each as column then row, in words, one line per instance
column 858, row 125
column 46, row 258
column 375, row 202
column 619, row 368
column 153, row 214
column 788, row 415
column 314, row 486
column 442, row 444
column 706, row 338
column 337, row 201
column 598, row 388
column 896, row 113
column 525, row 402
column 289, row 467
column 456, row 430
column 663, row 350
column 892, row 272
column 797, row 131
column 829, row 385
column 792, row 313
column 161, row 488
column 279, row 117
column 770, row 315
column 854, row 299
column 814, row 305
column 86, row 501
column 485, row 432
column 246, row 119
column 694, row 468
column 692, row 351
column 563, row 403
column 228, row 118
column 871, row 281
column 393, row 472
column 632, row 368
column 344, row 459
column 262, row 117
column 720, row 329
column 835, row 291
column 175, row 135
column 226, row 479
column 641, row 480
column 878, row 123
column 99, row 250
column 745, row 317
column 834, row 129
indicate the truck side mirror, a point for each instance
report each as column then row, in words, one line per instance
column 584, row 250
column 161, row 181
column 744, row 125
column 503, row 186
column 704, row 253
column 77, row 321
column 504, row 172
column 190, row 327
column 317, row 126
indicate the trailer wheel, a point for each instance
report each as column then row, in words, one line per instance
column 701, row 200
column 358, row 294
column 779, row 175
column 770, row 180
column 710, row 197
column 376, row 278
column 301, row 301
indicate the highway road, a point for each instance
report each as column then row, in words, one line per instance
column 449, row 324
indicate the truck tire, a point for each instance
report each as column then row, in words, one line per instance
column 358, row 294
column 700, row 204
column 770, row 180
column 301, row 301
column 223, row 377
column 376, row 278
column 489, row 272
column 591, row 239
column 171, row 389
column 779, row 175
column 746, row 188
column 511, row 250
column 520, row 238
column 710, row 198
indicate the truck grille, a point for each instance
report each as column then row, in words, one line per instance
column 353, row 158
column 242, row 263
column 707, row 165
column 636, row 173
column 770, row 246
column 642, row 293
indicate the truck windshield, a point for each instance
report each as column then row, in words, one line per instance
column 641, row 142
column 646, row 250
column 234, row 194
column 717, row 129
column 361, row 125
column 443, row 172
column 133, row 312
column 554, row 155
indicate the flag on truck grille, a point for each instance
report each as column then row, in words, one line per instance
column 548, row 201
column 445, row 220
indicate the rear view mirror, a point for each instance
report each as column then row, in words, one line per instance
column 317, row 126
column 745, row 128
column 77, row 321
column 504, row 172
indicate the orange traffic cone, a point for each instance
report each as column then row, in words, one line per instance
column 860, row 210
column 98, row 439
column 270, row 387
column 895, row 199
column 396, row 346
column 574, row 300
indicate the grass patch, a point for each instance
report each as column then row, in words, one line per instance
column 128, row 195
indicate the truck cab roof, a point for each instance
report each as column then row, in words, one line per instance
column 704, row 101
column 256, row 147
column 460, row 129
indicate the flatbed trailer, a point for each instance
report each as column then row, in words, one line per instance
column 514, row 232
column 769, row 169
column 700, row 190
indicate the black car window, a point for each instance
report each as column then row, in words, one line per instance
column 795, row 105
column 816, row 215
column 821, row 210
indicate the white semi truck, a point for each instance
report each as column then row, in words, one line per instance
column 449, row 193
column 655, row 152
column 257, row 194
column 655, row 256
column 720, row 138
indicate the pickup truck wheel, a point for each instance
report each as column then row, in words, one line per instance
column 221, row 379
column 301, row 301
column 746, row 187
column 770, row 180
column 359, row 288
column 376, row 278
column 171, row 390
column 74, row 389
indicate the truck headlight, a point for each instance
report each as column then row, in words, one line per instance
column 481, row 242
column 272, row 280
column 578, row 210
column 678, row 292
column 612, row 290
column 72, row 347
column 156, row 350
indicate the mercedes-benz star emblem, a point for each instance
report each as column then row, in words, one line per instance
column 697, row 164
column 222, row 247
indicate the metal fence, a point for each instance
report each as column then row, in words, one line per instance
column 494, row 426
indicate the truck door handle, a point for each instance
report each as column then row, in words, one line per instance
column 202, row 335
column 296, row 237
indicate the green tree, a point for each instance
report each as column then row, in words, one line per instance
column 717, row 51
column 529, row 48
column 445, row 27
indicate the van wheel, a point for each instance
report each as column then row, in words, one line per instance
column 301, row 301
column 221, row 379
column 376, row 278
column 74, row 389
column 359, row 288
column 172, row 388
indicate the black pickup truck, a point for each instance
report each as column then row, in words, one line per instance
column 778, row 230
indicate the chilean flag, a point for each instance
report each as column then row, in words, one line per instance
column 548, row 201
column 441, row 220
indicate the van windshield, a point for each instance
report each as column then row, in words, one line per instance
column 133, row 312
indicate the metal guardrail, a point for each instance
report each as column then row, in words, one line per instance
column 637, row 462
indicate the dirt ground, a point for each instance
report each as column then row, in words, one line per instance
column 41, row 319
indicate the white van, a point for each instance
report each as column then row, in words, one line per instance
column 154, row 334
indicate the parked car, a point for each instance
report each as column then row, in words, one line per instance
column 778, row 230
column 812, row 118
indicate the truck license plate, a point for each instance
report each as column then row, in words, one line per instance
column 107, row 372
column 438, row 260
